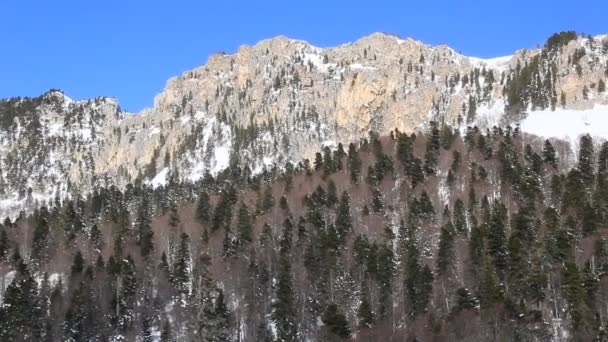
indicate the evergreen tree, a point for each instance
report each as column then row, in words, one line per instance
column 343, row 217
column 497, row 241
column 364, row 312
column 585, row 160
column 203, row 209
column 181, row 269
column 78, row 264
column 283, row 309
column 354, row 163
column 174, row 220
column 549, row 155
column 4, row 244
column 244, row 225
column 268, row 199
column 17, row 310
column 144, row 229
column 490, row 292
column 335, row 321
column 459, row 217
column 445, row 253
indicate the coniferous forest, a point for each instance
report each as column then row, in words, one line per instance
column 441, row 235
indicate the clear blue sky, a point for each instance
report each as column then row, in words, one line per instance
column 129, row 48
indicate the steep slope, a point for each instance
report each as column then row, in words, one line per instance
column 434, row 237
column 280, row 101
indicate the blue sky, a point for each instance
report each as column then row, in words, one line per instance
column 128, row 49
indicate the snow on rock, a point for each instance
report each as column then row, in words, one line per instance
column 497, row 63
column 568, row 124
column 361, row 67
column 316, row 59
column 160, row 179
column 488, row 115
column 154, row 131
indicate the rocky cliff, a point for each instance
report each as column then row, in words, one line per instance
column 279, row 101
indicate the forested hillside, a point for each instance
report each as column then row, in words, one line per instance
column 440, row 235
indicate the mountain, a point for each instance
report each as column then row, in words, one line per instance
column 279, row 101
column 379, row 190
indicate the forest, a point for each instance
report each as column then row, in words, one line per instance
column 439, row 235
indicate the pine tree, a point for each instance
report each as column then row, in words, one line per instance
column 41, row 233
column 490, row 292
column 549, row 155
column 4, row 244
column 174, row 220
column 585, row 160
column 364, row 311
column 465, row 300
column 377, row 204
column 318, row 161
column 332, row 196
column 268, row 199
column 203, row 209
column 78, row 263
column 284, row 311
column 354, row 163
column 459, row 217
column 222, row 331
column 335, row 321
column 16, row 312
column 445, row 253
column 181, row 268
column 343, row 217
column 497, row 241
column 244, row 225
column 144, row 229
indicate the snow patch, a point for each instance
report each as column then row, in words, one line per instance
column 361, row 67
column 488, row 115
column 568, row 124
column 160, row 179
column 154, row 131
column 317, row 60
column 497, row 63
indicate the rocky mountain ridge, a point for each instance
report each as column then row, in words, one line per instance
column 279, row 101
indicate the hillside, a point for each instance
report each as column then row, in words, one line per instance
column 279, row 101
column 443, row 235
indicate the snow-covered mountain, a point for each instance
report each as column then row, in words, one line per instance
column 281, row 100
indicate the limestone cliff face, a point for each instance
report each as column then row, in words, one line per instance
column 280, row 101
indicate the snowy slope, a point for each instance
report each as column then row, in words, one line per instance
column 568, row 124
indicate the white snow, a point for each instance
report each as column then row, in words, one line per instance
column 222, row 159
column 329, row 143
column 184, row 120
column 160, row 179
column 317, row 60
column 488, row 115
column 153, row 131
column 568, row 124
column 497, row 63
column 199, row 116
column 361, row 67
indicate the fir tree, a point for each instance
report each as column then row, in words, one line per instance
column 144, row 229
column 343, row 217
column 181, row 268
column 203, row 209
column 364, row 311
column 549, row 155
column 335, row 321
column 244, row 225
column 354, row 163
